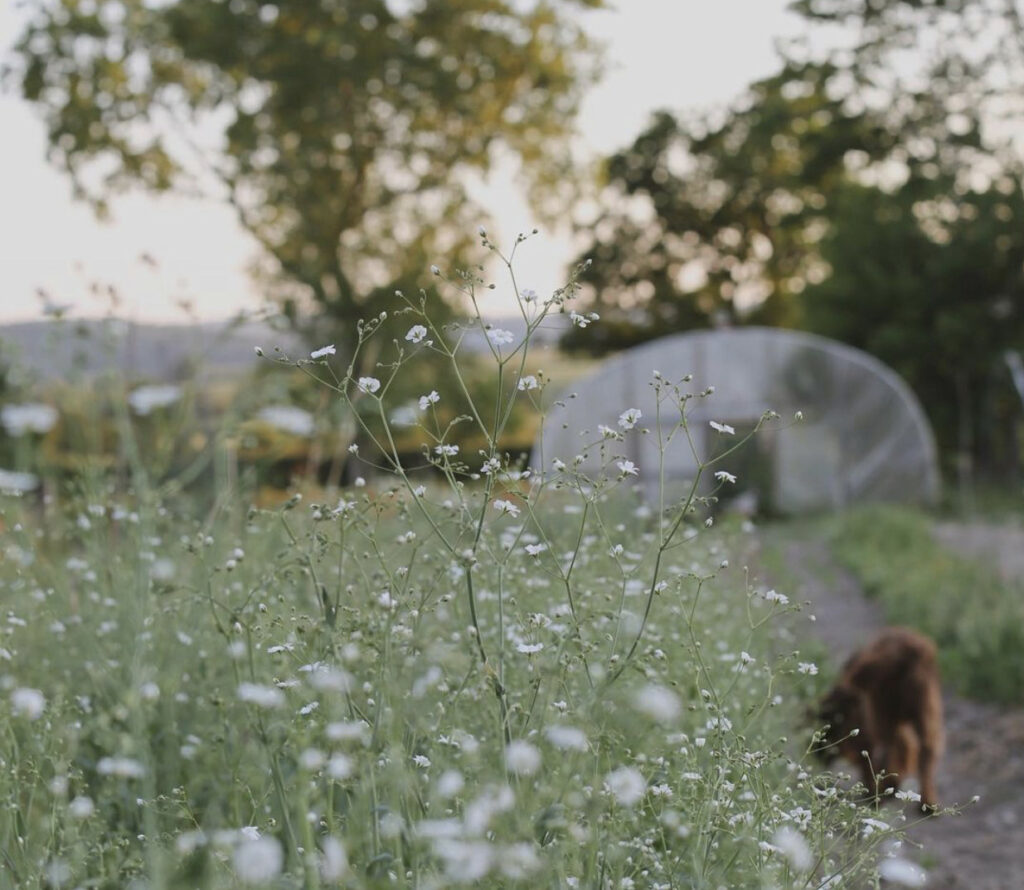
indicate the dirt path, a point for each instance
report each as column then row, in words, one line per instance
column 983, row 848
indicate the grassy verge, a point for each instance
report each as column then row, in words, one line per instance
column 976, row 618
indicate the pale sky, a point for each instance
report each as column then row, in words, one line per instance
column 676, row 54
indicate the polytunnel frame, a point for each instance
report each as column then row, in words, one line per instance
column 776, row 341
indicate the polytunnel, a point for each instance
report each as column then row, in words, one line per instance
column 863, row 436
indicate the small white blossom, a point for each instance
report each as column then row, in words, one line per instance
column 368, row 385
column 258, row 860
column 723, row 476
column 262, row 696
column 658, row 702
column 522, row 758
column 289, row 418
column 81, row 807
column 629, row 418
column 528, row 382
column 723, row 428
column 446, row 450
column 558, row 464
column 499, row 336
column 780, row 598
column 792, row 844
column 144, row 399
column 535, row 549
column 567, row 738
column 508, row 507
column 431, row 398
column 808, row 667
column 416, row 333
column 902, row 872
column 28, row 703
column 628, row 468
column 529, row 648
column 28, row 418
column 125, row 767
column 627, row 785
column 333, row 861
column 13, row 482
column 323, row 351
column 434, row 270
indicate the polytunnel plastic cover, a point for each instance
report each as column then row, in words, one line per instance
column 863, row 437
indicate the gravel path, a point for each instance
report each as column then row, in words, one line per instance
column 983, row 848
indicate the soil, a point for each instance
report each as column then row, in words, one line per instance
column 982, row 848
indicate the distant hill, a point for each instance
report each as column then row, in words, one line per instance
column 69, row 347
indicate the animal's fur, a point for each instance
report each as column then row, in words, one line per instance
column 890, row 692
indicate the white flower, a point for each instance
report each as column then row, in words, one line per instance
column 416, row 333
column 780, row 598
column 581, row 321
column 627, row 468
column 558, row 464
column 288, row 418
column 529, row 648
column 450, row 783
column 431, row 398
column 32, row 417
column 627, row 785
column 262, row 696
column 566, row 738
column 629, row 418
column 658, row 702
column 527, row 382
column 535, row 549
column 125, row 767
column 723, row 476
column 145, row 398
column 808, row 667
column 903, row 872
column 723, row 428
column 522, row 758
column 12, row 482
column 27, row 702
column 465, row 862
column 528, row 295
column 606, row 431
column 491, row 465
column 499, row 336
column 793, row 846
column 334, row 861
column 339, row 767
column 421, row 761
column 446, row 450
column 368, row 385
column 81, row 807
column 258, row 861
column 322, row 351
column 434, row 270
column 508, row 507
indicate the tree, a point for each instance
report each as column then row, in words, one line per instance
column 717, row 218
column 346, row 124
column 934, row 286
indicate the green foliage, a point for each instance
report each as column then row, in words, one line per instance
column 347, row 126
column 930, row 279
column 976, row 618
column 508, row 678
column 716, row 218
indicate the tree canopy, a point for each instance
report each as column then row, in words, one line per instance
column 337, row 129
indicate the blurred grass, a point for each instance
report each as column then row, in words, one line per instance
column 976, row 617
